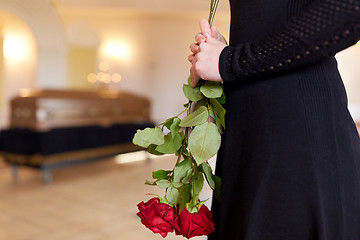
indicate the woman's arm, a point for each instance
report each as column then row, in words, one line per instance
column 324, row 28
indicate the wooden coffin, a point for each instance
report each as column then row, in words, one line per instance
column 46, row 109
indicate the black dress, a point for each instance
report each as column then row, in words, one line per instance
column 290, row 156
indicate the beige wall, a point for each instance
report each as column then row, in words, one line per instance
column 1, row 67
column 349, row 67
column 158, row 46
column 46, row 27
column 19, row 61
column 81, row 62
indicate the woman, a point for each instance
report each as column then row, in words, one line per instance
column 290, row 156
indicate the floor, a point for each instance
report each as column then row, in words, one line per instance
column 93, row 201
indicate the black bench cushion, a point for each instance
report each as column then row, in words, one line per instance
column 29, row 142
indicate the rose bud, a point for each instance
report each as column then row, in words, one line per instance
column 158, row 217
column 195, row 224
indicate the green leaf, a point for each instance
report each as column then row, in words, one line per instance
column 208, row 174
column 212, row 89
column 182, row 170
column 218, row 113
column 177, row 184
column 144, row 138
column 204, row 142
column 217, row 189
column 198, row 117
column 164, row 183
column 197, row 186
column 193, row 94
column 202, row 102
column 175, row 126
column 164, row 200
column 172, row 195
column 161, row 174
column 152, row 149
column 216, row 121
column 185, row 196
column 194, row 208
column 222, row 99
column 186, row 179
column 150, row 183
column 168, row 122
column 191, row 208
column 189, row 80
column 171, row 144
column 185, row 151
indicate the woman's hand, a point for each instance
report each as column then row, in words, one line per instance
column 206, row 52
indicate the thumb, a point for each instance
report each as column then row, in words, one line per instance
column 214, row 32
column 205, row 28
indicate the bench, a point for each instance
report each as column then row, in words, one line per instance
column 50, row 129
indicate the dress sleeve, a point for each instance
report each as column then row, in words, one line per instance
column 322, row 29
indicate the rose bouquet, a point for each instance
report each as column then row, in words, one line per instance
column 194, row 139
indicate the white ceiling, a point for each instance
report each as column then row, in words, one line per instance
column 144, row 5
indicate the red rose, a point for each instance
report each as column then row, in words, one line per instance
column 158, row 217
column 195, row 224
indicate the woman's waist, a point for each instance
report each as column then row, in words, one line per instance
column 322, row 75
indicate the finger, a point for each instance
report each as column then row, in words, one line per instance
column 194, row 80
column 191, row 58
column 200, row 38
column 214, row 32
column 194, row 48
column 205, row 44
column 193, row 75
column 205, row 28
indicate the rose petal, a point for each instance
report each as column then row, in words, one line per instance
column 158, row 217
column 196, row 224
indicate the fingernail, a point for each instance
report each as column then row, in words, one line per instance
column 207, row 35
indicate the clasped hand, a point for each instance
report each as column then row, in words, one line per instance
column 206, row 51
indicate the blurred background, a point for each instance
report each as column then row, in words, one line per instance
column 62, row 64
column 57, row 44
